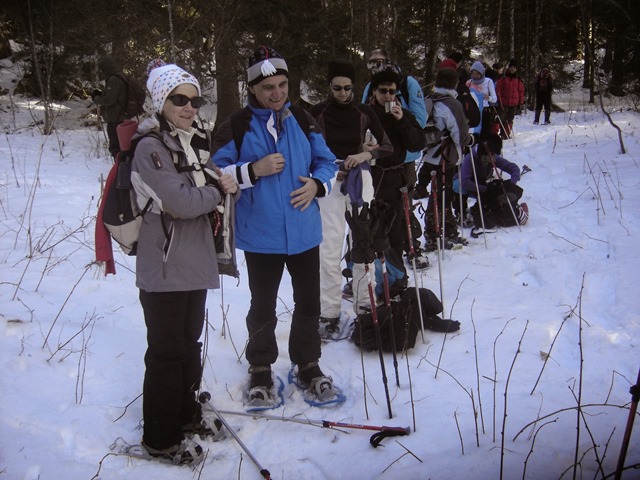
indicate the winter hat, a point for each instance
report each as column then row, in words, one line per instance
column 341, row 68
column 385, row 76
column 477, row 66
column 162, row 81
column 447, row 78
column 155, row 63
column 449, row 63
column 494, row 142
column 496, row 66
column 513, row 63
column 545, row 71
column 265, row 62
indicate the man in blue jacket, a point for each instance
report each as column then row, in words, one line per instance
column 281, row 170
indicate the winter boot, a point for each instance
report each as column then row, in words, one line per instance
column 317, row 384
column 260, row 385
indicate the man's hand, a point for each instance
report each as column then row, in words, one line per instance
column 303, row 196
column 269, row 165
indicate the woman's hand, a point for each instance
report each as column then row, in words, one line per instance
column 354, row 160
column 226, row 181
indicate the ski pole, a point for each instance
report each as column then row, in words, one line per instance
column 437, row 228
column 205, row 398
column 475, row 178
column 376, row 327
column 501, row 124
column 387, row 302
column 504, row 190
column 635, row 396
column 405, row 204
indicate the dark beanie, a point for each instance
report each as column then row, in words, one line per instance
column 385, row 76
column 513, row 63
column 341, row 68
column 494, row 142
column 447, row 78
column 264, row 63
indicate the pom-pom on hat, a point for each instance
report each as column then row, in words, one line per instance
column 385, row 76
column 163, row 80
column 263, row 63
column 341, row 68
column 155, row 63
column 447, row 78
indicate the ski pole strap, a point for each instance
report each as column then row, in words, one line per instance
column 377, row 438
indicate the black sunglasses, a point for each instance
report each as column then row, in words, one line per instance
column 180, row 100
column 384, row 91
column 337, row 88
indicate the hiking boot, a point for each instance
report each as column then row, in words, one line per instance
column 547, row 122
column 260, row 385
column 205, row 429
column 523, row 214
column 318, row 385
column 536, row 122
column 187, row 452
column 329, row 327
column 347, row 290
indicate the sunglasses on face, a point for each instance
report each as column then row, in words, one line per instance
column 180, row 100
column 390, row 91
column 337, row 88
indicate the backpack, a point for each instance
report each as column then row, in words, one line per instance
column 241, row 119
column 469, row 106
column 136, row 95
column 405, row 317
column 432, row 134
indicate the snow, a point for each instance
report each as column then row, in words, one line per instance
column 72, row 341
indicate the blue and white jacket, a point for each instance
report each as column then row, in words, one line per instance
column 266, row 222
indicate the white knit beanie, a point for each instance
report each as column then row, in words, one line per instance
column 162, row 81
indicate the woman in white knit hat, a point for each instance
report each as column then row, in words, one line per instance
column 176, row 261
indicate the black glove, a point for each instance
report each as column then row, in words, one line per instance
column 96, row 93
column 361, row 234
column 383, row 217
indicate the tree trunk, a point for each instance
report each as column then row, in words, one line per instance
column 227, row 77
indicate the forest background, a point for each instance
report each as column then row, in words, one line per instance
column 59, row 42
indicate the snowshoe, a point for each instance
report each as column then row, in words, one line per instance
column 422, row 262
column 205, row 429
column 317, row 389
column 187, row 453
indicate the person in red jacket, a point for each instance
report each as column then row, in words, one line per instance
column 510, row 90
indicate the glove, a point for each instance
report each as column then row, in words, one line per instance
column 361, row 234
column 383, row 217
column 96, row 93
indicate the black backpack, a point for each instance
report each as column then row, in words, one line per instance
column 432, row 134
column 406, row 321
column 136, row 95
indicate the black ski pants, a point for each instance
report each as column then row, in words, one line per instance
column 173, row 367
column 265, row 274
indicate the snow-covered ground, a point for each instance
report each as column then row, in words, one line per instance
column 549, row 318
